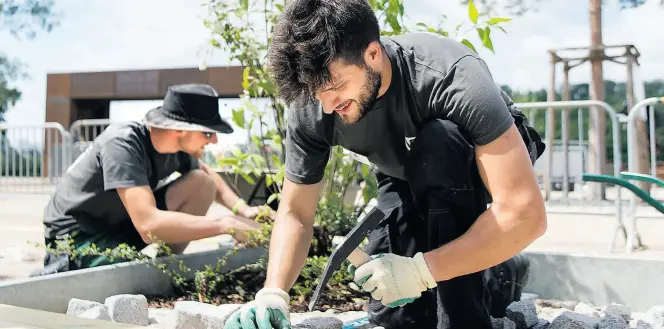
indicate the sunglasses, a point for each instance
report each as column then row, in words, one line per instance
column 208, row 135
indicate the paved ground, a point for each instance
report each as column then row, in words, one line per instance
column 20, row 219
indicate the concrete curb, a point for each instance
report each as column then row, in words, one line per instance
column 597, row 280
column 591, row 279
column 53, row 292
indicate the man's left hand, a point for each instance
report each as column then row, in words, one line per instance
column 252, row 212
column 394, row 280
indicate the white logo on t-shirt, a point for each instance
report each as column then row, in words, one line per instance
column 409, row 140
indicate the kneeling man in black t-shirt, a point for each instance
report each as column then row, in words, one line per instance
column 114, row 192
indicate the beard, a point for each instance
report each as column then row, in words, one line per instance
column 366, row 99
column 196, row 153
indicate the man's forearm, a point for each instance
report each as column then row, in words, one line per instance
column 225, row 195
column 498, row 234
column 289, row 246
column 178, row 227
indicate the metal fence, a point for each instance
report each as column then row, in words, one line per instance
column 632, row 142
column 48, row 160
column 548, row 161
column 33, row 157
column 88, row 129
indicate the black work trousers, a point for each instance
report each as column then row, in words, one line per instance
column 441, row 198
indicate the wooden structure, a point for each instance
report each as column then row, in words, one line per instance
column 87, row 95
column 621, row 54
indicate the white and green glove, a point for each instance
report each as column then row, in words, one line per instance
column 394, row 280
column 269, row 310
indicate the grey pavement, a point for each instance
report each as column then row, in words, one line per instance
column 20, row 217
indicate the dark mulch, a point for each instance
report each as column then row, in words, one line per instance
column 244, row 284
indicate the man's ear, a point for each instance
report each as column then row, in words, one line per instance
column 373, row 55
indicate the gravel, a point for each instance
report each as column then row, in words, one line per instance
column 529, row 313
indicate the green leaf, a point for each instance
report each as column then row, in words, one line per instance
column 258, row 159
column 238, row 117
column 245, row 78
column 472, row 12
column 248, row 178
column 272, row 197
column 501, row 28
column 480, row 33
column 486, row 40
column 236, row 151
column 497, row 20
column 469, row 45
column 228, row 161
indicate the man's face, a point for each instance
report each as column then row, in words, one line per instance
column 194, row 142
column 352, row 91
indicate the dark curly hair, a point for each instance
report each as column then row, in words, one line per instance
column 312, row 33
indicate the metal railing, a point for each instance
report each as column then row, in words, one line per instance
column 632, row 141
column 84, row 131
column 87, row 130
column 33, row 157
column 617, row 155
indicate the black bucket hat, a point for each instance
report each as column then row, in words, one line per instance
column 192, row 107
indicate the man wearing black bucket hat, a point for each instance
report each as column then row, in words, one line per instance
column 118, row 191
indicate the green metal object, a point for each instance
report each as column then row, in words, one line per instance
column 623, row 182
column 642, row 177
column 633, row 239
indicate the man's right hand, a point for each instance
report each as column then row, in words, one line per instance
column 237, row 226
column 269, row 310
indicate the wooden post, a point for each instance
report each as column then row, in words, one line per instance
column 550, row 126
column 565, row 128
column 642, row 159
column 596, row 133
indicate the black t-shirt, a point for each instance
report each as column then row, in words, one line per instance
column 432, row 77
column 121, row 156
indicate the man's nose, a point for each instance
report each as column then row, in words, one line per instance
column 329, row 101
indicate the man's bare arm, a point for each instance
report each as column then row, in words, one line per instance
column 515, row 219
column 166, row 226
column 225, row 195
column 291, row 234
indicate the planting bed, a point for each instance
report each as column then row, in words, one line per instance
column 242, row 284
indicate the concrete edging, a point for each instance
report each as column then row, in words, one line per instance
column 597, row 280
column 592, row 279
column 53, row 292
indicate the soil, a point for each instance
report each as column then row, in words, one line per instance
column 243, row 285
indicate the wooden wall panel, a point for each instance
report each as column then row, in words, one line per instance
column 226, row 80
column 93, row 85
column 137, row 85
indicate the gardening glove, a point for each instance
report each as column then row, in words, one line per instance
column 269, row 310
column 394, row 280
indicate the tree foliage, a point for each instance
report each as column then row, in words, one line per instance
column 22, row 19
column 520, row 7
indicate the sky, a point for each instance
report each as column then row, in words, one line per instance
column 149, row 34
